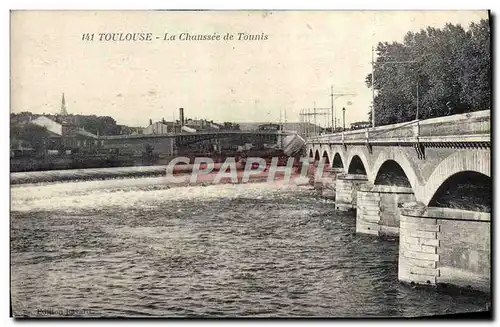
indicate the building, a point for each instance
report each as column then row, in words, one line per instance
column 65, row 134
column 161, row 127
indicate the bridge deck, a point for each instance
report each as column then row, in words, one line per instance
column 469, row 127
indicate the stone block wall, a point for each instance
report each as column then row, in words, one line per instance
column 346, row 187
column 377, row 209
column 329, row 181
column 443, row 245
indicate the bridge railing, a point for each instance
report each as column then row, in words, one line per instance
column 473, row 123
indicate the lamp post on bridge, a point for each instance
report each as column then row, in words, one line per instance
column 343, row 118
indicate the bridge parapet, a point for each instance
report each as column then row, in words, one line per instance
column 464, row 125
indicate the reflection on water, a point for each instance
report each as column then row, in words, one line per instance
column 137, row 247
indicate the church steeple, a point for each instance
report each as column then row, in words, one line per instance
column 64, row 112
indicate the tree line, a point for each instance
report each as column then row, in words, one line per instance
column 439, row 71
column 99, row 125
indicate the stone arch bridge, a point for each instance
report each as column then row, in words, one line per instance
column 429, row 152
column 409, row 180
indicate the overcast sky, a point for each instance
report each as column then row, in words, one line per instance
column 250, row 81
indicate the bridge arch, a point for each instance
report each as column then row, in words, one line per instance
column 337, row 161
column 460, row 161
column 359, row 154
column 311, row 154
column 402, row 161
column 357, row 167
column 316, row 155
column 337, row 151
column 326, row 154
column 326, row 157
column 466, row 190
column 391, row 173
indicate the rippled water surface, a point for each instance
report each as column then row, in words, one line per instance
column 134, row 247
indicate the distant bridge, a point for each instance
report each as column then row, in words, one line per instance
column 167, row 142
column 186, row 138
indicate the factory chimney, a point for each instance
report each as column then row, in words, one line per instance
column 181, row 116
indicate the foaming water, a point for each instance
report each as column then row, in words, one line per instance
column 137, row 247
column 92, row 195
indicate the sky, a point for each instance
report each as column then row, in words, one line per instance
column 305, row 53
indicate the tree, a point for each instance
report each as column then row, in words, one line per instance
column 231, row 126
column 449, row 67
column 102, row 125
column 37, row 136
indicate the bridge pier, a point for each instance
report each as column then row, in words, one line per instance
column 445, row 246
column 329, row 180
column 346, row 187
column 377, row 209
column 311, row 174
column 320, row 170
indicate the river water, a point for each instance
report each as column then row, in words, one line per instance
column 136, row 247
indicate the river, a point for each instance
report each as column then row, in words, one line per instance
column 137, row 247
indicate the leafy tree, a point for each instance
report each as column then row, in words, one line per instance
column 445, row 71
column 231, row 126
column 102, row 125
column 37, row 136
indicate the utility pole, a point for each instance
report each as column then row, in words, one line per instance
column 314, row 112
column 301, row 126
column 314, row 119
column 335, row 96
column 285, row 119
column 333, row 119
column 373, row 89
column 307, row 121
column 417, row 99
column 373, row 81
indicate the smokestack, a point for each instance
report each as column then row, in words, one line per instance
column 181, row 116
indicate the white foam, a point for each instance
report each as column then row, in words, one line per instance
column 128, row 193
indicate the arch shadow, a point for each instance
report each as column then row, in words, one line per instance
column 467, row 190
column 326, row 157
column 337, row 161
column 472, row 161
column 356, row 166
column 391, row 173
column 316, row 155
